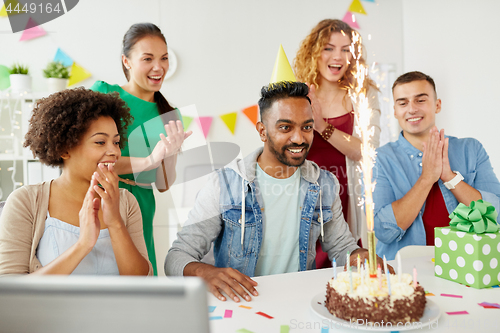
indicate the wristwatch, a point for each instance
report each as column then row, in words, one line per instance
column 450, row 185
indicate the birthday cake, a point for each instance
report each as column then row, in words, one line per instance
column 369, row 301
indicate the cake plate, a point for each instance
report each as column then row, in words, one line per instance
column 431, row 315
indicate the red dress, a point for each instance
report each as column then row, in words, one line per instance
column 435, row 213
column 330, row 158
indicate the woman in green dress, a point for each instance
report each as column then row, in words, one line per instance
column 156, row 134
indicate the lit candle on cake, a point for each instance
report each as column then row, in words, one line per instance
column 400, row 270
column 379, row 276
column 363, row 115
column 334, row 265
column 414, row 277
column 359, row 264
column 347, row 260
column 388, row 276
column 350, row 279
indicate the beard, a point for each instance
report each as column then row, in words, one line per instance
column 280, row 153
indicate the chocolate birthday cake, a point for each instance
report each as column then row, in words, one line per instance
column 369, row 300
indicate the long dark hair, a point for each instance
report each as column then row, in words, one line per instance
column 135, row 33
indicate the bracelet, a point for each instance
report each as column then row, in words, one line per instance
column 327, row 132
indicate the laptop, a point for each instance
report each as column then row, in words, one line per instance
column 93, row 304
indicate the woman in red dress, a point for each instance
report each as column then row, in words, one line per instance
column 325, row 62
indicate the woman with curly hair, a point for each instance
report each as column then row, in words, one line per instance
column 325, row 62
column 145, row 160
column 81, row 222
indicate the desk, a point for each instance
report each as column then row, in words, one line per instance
column 287, row 298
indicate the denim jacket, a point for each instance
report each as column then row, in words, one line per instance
column 397, row 168
column 217, row 217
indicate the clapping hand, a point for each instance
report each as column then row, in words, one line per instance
column 109, row 193
column 435, row 162
column 319, row 123
column 89, row 218
column 171, row 144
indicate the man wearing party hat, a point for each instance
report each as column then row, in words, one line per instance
column 289, row 202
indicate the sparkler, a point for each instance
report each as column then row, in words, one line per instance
column 358, row 94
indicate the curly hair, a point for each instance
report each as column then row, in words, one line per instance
column 306, row 61
column 279, row 90
column 59, row 121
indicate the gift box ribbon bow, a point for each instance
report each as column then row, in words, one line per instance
column 479, row 217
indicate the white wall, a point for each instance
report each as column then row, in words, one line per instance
column 457, row 43
column 225, row 48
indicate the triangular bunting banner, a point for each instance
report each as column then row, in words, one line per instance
column 78, row 74
column 357, row 7
column 205, row 123
column 351, row 20
column 282, row 70
column 368, row 0
column 230, row 120
column 252, row 112
column 33, row 30
column 186, row 121
column 4, row 77
column 63, row 58
column 13, row 4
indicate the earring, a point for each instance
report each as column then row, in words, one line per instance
column 127, row 67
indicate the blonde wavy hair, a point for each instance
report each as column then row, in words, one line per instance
column 306, row 61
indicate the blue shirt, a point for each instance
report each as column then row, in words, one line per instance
column 397, row 168
column 59, row 236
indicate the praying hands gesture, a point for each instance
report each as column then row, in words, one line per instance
column 435, row 163
column 435, row 166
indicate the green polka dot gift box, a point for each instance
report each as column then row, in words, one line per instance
column 468, row 251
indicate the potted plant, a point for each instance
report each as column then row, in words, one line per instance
column 20, row 81
column 57, row 76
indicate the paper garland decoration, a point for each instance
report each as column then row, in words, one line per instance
column 78, row 74
column 4, row 77
column 205, row 123
column 282, row 70
column 13, row 3
column 357, row 7
column 252, row 112
column 32, row 31
column 349, row 18
column 63, row 58
column 186, row 121
column 230, row 120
